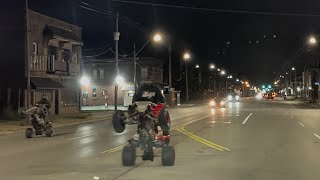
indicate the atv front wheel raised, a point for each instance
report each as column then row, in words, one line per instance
column 117, row 121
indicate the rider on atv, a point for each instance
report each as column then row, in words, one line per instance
column 151, row 93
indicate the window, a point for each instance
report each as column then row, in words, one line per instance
column 69, row 97
column 65, row 55
column 75, row 57
column 94, row 93
column 95, row 74
column 52, row 51
column 34, row 48
column 101, row 75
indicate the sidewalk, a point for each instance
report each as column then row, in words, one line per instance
column 89, row 116
column 9, row 127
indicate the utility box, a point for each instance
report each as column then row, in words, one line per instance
column 127, row 97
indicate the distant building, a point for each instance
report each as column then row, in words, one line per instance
column 102, row 73
column 53, row 52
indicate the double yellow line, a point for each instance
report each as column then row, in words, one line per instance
column 201, row 140
column 181, row 128
column 113, row 149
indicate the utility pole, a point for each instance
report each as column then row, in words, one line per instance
column 116, row 38
column 27, row 58
column 187, row 83
column 134, row 67
column 170, row 66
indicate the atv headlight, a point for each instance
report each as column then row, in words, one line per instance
column 212, row 103
column 229, row 97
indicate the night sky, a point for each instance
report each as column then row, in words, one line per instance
column 212, row 37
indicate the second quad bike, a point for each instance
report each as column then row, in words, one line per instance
column 40, row 125
column 153, row 122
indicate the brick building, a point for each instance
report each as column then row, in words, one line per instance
column 53, row 49
column 101, row 73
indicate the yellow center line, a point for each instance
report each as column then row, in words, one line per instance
column 115, row 149
column 201, row 140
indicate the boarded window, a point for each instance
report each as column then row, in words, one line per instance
column 69, row 97
column 101, row 73
column 95, row 74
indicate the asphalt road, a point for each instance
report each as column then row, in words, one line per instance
column 249, row 140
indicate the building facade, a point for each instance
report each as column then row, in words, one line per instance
column 102, row 73
column 51, row 62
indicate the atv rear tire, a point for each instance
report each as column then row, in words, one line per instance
column 129, row 155
column 168, row 155
column 117, row 121
column 29, row 133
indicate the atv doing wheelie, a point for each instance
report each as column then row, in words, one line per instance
column 153, row 122
column 38, row 114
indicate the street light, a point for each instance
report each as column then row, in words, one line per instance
column 312, row 40
column 84, row 81
column 158, row 38
column 218, row 69
column 211, row 66
column 197, row 66
column 237, row 80
column 223, row 72
column 293, row 68
column 186, row 58
column 119, row 80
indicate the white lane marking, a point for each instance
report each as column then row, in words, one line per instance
column 291, row 117
column 316, row 135
column 81, row 137
column 301, row 124
column 247, row 118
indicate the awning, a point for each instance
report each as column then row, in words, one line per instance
column 62, row 34
column 45, row 83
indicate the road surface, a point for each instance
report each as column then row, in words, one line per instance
column 247, row 140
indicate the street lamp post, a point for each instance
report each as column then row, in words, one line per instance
column 158, row 38
column 186, row 57
column 222, row 74
column 116, row 39
column 212, row 67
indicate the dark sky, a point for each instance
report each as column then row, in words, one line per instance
column 204, row 33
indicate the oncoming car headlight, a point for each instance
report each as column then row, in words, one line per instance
column 212, row 103
column 222, row 103
column 237, row 98
column 229, row 97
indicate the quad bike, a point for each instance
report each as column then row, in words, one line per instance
column 153, row 132
column 38, row 114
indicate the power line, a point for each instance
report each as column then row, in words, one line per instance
column 99, row 54
column 97, row 11
column 219, row 10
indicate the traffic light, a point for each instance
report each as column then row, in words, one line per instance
column 269, row 86
column 263, row 86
